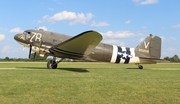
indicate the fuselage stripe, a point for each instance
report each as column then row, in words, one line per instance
column 114, row 54
column 128, row 59
column 118, row 59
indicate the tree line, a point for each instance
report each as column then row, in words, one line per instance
column 174, row 58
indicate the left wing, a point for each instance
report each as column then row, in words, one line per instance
column 79, row 45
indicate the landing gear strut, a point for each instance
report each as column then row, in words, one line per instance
column 52, row 64
column 139, row 66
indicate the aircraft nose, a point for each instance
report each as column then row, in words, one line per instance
column 19, row 37
column 16, row 37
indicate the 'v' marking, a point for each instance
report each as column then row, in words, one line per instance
column 146, row 44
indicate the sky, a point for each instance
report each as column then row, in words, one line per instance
column 121, row 22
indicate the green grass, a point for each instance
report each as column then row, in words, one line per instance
column 91, row 65
column 89, row 83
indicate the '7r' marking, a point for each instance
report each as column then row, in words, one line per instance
column 36, row 37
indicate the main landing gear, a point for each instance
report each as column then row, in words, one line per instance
column 52, row 64
column 139, row 66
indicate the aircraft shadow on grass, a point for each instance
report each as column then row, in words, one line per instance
column 82, row 70
column 74, row 69
column 136, row 69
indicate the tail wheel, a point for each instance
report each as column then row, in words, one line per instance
column 51, row 65
column 139, row 66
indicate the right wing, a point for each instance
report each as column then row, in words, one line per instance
column 79, row 45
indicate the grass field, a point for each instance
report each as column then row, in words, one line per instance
column 89, row 83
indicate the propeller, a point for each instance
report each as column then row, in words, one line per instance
column 34, row 56
column 30, row 51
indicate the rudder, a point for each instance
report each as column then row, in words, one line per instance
column 149, row 48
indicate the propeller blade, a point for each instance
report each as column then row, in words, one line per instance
column 30, row 51
column 34, row 56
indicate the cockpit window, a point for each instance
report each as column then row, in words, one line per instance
column 27, row 34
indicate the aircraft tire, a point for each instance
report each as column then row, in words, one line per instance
column 54, row 65
column 140, row 67
column 51, row 65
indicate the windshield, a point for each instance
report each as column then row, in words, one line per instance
column 27, row 34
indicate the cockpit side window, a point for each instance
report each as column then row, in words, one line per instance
column 27, row 34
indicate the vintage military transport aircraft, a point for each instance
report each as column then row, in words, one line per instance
column 87, row 46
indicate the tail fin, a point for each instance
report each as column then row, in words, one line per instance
column 149, row 48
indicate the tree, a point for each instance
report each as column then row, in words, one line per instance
column 7, row 58
column 167, row 58
column 175, row 58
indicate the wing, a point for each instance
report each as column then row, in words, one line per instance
column 79, row 45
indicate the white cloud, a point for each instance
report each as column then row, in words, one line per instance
column 74, row 18
column 6, row 49
column 111, row 37
column 172, row 38
column 114, row 42
column 9, row 49
column 128, row 22
column 16, row 30
column 176, row 26
column 39, row 21
column 171, row 49
column 99, row 24
column 42, row 27
column 2, row 37
column 145, row 2
column 162, row 37
column 51, row 9
column 119, row 34
column 142, row 39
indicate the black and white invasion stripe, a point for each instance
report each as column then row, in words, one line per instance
column 122, row 55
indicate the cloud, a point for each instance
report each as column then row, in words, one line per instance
column 171, row 49
column 142, row 39
column 128, row 22
column 162, row 37
column 51, row 9
column 176, row 26
column 74, row 18
column 172, row 38
column 16, row 30
column 2, row 37
column 119, row 34
column 9, row 49
column 145, row 2
column 42, row 27
column 114, row 42
column 6, row 49
column 99, row 24
column 111, row 37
